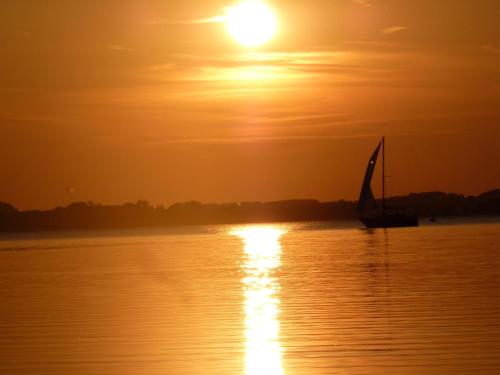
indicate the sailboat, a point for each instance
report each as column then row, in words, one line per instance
column 373, row 215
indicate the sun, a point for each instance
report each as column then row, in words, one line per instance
column 251, row 23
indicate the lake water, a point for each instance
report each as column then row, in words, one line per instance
column 287, row 299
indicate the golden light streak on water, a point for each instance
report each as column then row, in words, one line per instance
column 261, row 289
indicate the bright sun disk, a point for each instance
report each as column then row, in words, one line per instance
column 251, row 23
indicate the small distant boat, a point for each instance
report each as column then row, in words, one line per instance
column 370, row 213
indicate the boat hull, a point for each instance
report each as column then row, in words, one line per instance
column 390, row 221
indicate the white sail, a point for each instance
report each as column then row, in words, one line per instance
column 366, row 198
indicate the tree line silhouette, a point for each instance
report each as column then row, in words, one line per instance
column 91, row 216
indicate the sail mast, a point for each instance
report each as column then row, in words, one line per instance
column 383, row 174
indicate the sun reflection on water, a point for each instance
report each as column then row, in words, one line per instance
column 262, row 258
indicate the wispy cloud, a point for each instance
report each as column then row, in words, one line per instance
column 268, row 59
column 491, row 49
column 284, row 67
column 199, row 21
column 215, row 19
column 364, row 3
column 22, row 33
column 393, row 29
column 117, row 47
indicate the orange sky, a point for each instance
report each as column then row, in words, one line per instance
column 147, row 99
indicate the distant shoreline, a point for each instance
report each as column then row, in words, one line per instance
column 208, row 229
column 85, row 216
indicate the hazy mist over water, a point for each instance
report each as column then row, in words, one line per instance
column 281, row 299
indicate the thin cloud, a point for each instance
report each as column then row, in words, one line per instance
column 393, row 30
column 364, row 3
column 200, row 21
column 216, row 19
column 491, row 49
column 22, row 33
column 117, row 47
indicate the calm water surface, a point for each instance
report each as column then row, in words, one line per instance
column 286, row 299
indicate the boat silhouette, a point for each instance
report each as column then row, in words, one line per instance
column 374, row 215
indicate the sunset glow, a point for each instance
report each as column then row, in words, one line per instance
column 249, row 187
column 251, row 23
column 245, row 100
